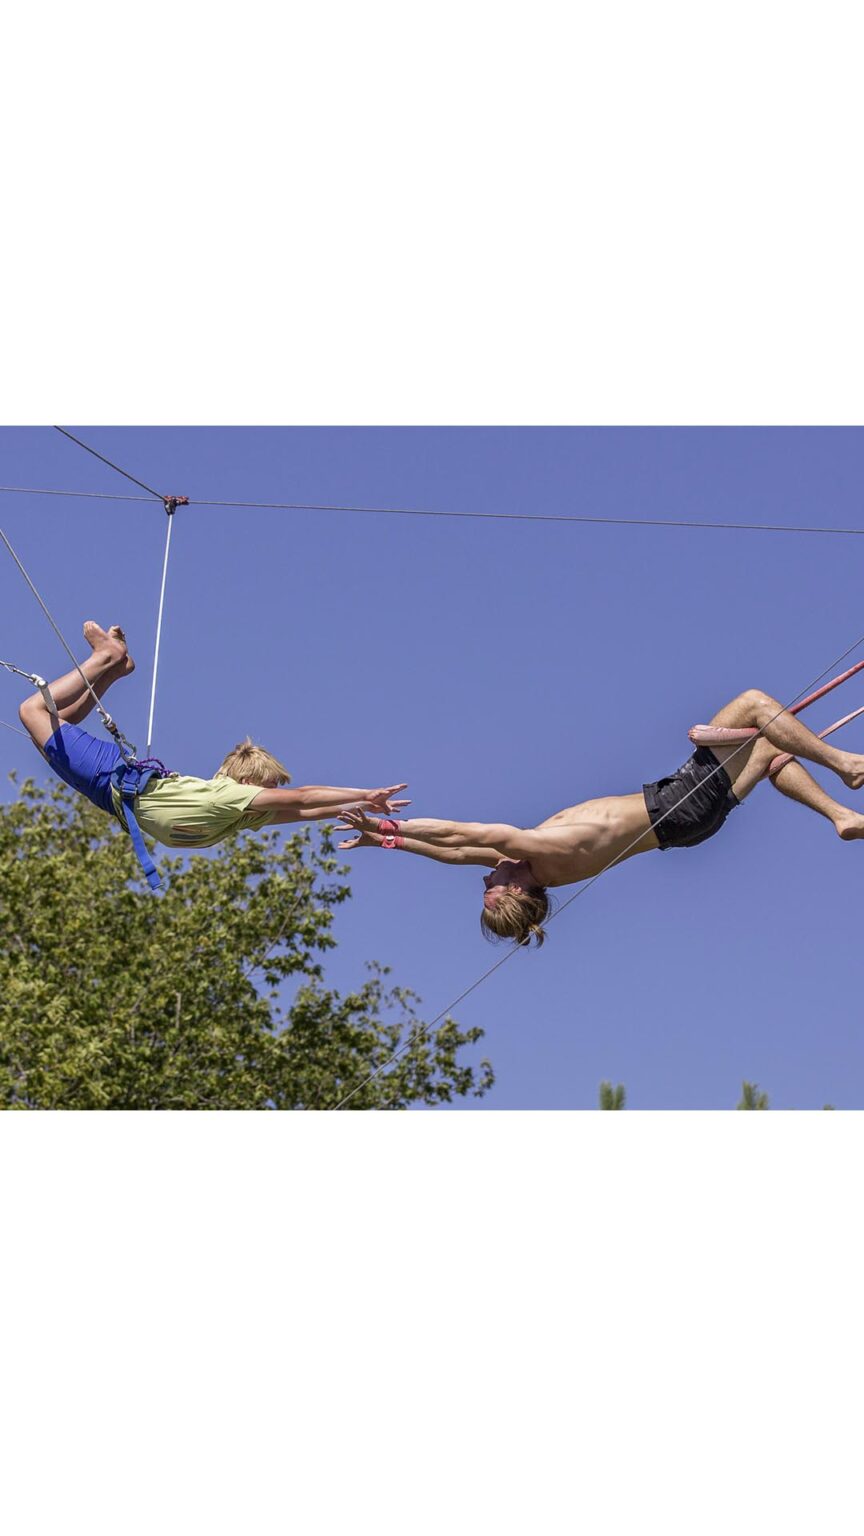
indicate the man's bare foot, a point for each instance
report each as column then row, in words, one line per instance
column 110, row 644
column 852, row 770
column 850, row 826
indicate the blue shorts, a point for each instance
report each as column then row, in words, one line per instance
column 85, row 762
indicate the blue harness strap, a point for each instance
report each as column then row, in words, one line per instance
column 131, row 779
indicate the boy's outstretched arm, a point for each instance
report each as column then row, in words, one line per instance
column 315, row 802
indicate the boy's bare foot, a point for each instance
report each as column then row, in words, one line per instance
column 111, row 644
column 850, row 826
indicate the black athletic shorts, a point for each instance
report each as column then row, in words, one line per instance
column 698, row 797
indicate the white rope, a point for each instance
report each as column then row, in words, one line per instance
column 158, row 636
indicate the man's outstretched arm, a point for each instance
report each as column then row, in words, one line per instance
column 479, row 836
column 488, row 857
column 464, row 834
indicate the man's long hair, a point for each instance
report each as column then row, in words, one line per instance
column 517, row 915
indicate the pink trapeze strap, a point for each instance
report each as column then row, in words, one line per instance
column 724, row 735
column 719, row 736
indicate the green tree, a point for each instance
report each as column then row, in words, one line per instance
column 751, row 1098
column 612, row 1098
column 111, row 998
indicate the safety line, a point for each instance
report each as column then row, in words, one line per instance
column 260, row 962
column 507, row 517
column 158, row 638
column 111, row 465
column 418, row 1034
column 16, row 729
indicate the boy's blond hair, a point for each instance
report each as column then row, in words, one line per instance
column 517, row 915
column 254, row 764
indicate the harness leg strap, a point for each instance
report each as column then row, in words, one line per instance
column 138, row 844
column 129, row 779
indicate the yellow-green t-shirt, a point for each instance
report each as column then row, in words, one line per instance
column 183, row 812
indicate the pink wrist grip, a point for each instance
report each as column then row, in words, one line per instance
column 391, row 831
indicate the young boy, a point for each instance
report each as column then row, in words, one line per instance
column 176, row 810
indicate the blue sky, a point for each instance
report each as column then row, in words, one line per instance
column 505, row 670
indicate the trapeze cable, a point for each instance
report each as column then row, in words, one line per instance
column 519, row 517
column 418, row 1034
column 170, row 504
column 101, row 456
column 38, row 682
column 126, row 747
column 507, row 517
column 31, row 678
column 41, row 490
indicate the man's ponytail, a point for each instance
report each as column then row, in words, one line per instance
column 517, row 915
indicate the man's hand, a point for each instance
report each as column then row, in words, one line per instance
column 379, row 800
column 362, row 840
column 355, row 818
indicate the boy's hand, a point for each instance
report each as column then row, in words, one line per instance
column 379, row 800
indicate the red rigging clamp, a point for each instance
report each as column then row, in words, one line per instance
column 173, row 502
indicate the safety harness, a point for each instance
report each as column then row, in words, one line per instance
column 130, row 779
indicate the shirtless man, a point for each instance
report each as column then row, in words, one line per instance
column 675, row 812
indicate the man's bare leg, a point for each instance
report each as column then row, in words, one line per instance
column 785, row 733
column 796, row 783
column 109, row 661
